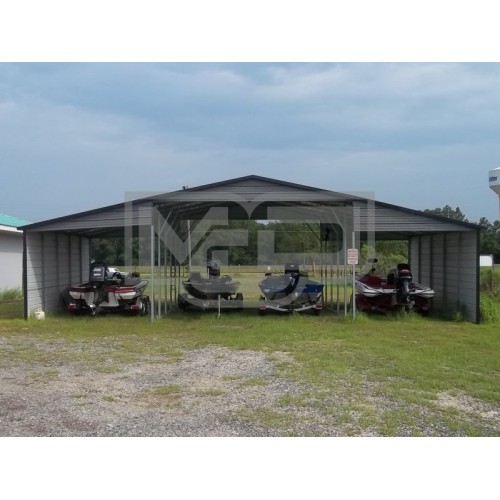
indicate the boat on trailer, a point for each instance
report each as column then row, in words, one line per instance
column 290, row 292
column 395, row 292
column 211, row 292
column 109, row 291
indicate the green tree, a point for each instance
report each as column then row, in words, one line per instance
column 389, row 253
column 447, row 211
column 112, row 250
column 490, row 237
column 489, row 232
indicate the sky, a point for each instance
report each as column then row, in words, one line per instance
column 78, row 136
column 419, row 131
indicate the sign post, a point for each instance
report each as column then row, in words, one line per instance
column 352, row 259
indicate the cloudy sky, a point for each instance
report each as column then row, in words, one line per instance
column 79, row 136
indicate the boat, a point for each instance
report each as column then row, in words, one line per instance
column 109, row 291
column 291, row 291
column 395, row 292
column 211, row 292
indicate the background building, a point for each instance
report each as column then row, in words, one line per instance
column 11, row 252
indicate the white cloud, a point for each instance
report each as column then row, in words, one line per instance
column 161, row 126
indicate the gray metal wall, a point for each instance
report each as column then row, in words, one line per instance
column 53, row 261
column 448, row 262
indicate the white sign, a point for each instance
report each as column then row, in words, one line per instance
column 486, row 260
column 352, row 256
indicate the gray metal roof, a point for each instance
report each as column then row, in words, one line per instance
column 247, row 197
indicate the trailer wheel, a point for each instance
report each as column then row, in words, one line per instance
column 145, row 306
column 239, row 301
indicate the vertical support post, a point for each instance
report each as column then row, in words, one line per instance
column 158, row 266
column 189, row 245
column 420, row 258
column 431, row 261
column 337, row 271
column 478, row 273
column 353, row 280
column 80, row 249
column 152, row 271
column 25, row 274
column 43, row 271
column 345, row 274
column 128, row 235
column 167, row 277
column 324, row 273
column 58, row 264
column 459, row 266
column 445, row 274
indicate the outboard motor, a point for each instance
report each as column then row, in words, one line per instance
column 97, row 273
column 213, row 269
column 292, row 270
column 404, row 278
column 97, row 277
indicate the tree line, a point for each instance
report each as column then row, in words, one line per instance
column 298, row 237
column 489, row 231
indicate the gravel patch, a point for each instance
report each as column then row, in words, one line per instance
column 207, row 392
column 474, row 409
column 85, row 388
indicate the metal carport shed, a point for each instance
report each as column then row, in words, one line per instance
column 443, row 253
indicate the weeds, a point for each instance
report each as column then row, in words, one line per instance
column 490, row 310
column 9, row 294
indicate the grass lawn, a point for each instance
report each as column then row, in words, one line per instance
column 11, row 309
column 435, row 377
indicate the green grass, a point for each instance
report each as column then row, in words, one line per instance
column 166, row 390
column 407, row 361
column 254, row 382
column 11, row 303
column 9, row 294
column 11, row 309
column 44, row 376
column 170, row 395
column 264, row 417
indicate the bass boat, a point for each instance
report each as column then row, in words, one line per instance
column 211, row 292
column 291, row 291
column 108, row 291
column 395, row 292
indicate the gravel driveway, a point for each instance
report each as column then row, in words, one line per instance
column 205, row 392
column 85, row 388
